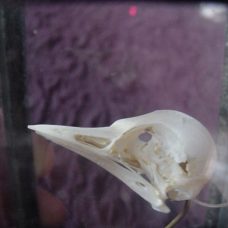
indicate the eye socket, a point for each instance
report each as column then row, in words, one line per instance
column 145, row 137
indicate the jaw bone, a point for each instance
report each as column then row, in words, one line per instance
column 161, row 155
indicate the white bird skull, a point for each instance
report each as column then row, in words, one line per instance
column 161, row 155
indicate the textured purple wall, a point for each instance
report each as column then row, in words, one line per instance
column 89, row 65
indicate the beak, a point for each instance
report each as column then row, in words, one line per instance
column 96, row 144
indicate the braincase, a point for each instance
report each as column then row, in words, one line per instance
column 180, row 136
column 198, row 146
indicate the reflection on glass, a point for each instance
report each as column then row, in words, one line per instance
column 88, row 65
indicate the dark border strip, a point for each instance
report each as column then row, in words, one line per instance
column 218, row 217
column 223, row 212
column 24, row 211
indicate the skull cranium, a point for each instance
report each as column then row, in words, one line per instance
column 161, row 155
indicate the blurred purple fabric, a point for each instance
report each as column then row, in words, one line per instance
column 91, row 64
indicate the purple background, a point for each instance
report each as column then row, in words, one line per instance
column 89, row 65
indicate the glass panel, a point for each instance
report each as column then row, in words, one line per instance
column 89, row 64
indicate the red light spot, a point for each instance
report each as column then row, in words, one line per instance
column 132, row 11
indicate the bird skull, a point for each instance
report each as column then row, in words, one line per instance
column 161, row 155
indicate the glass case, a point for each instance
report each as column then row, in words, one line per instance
column 89, row 64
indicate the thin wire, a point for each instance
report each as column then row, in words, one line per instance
column 180, row 216
column 210, row 205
